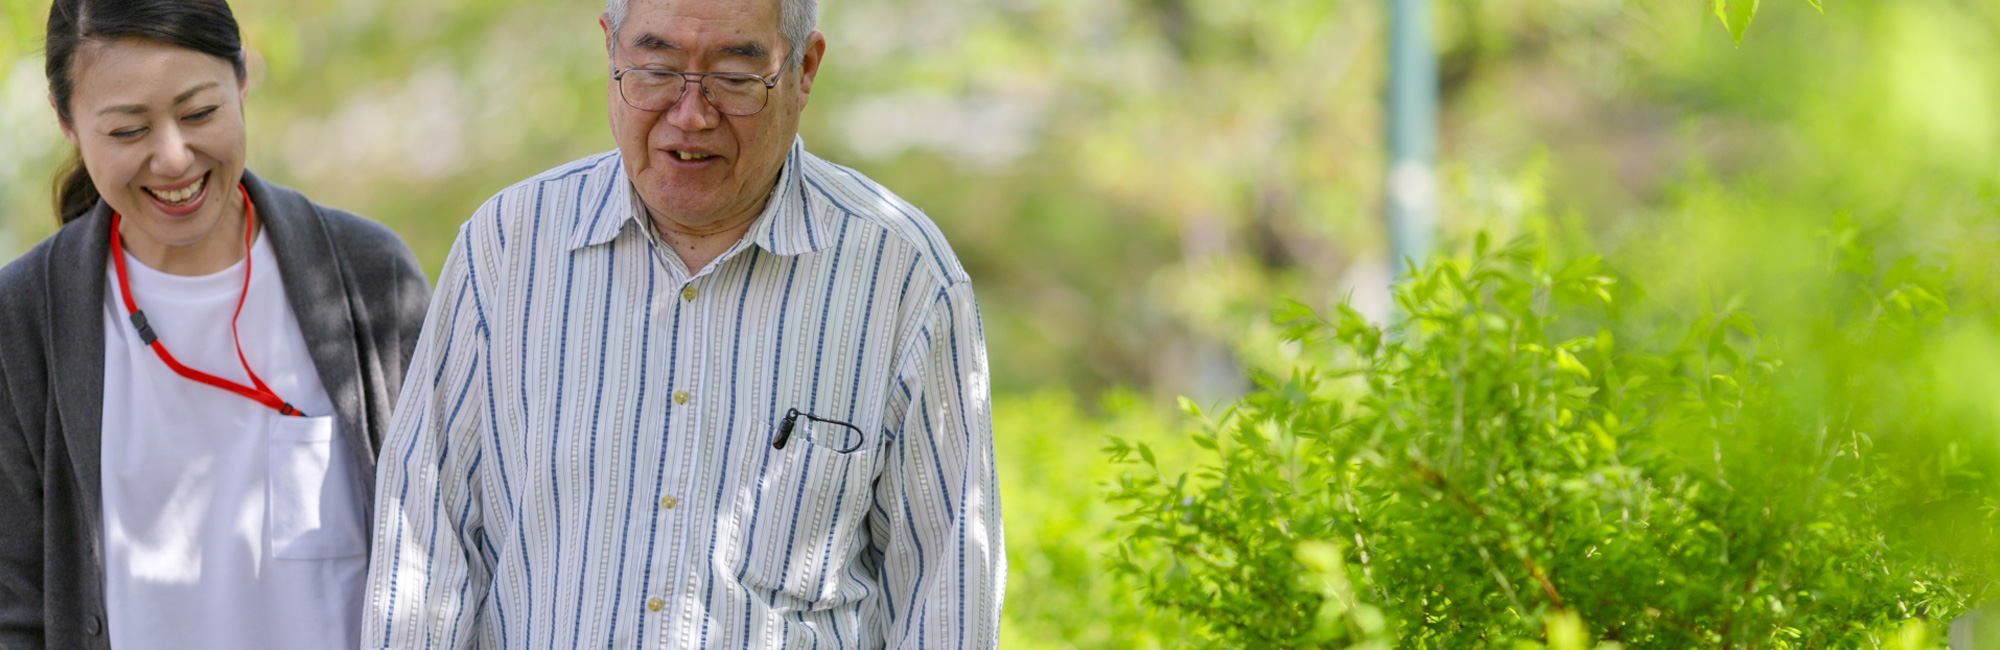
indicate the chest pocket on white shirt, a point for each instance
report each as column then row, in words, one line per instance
column 798, row 522
column 312, row 512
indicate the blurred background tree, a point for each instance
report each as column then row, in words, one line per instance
column 1134, row 184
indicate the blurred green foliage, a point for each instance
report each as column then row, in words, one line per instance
column 1501, row 463
column 1135, row 185
column 1060, row 593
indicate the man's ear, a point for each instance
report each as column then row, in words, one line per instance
column 815, row 51
column 604, row 21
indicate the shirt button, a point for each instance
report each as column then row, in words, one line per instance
column 92, row 626
column 680, row 397
column 655, row 604
column 688, row 293
column 669, row 502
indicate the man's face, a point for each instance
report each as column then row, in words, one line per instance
column 693, row 165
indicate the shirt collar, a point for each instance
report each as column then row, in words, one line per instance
column 791, row 223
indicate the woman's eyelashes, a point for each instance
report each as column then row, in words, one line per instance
column 196, row 117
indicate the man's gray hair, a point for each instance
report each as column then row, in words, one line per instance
column 796, row 20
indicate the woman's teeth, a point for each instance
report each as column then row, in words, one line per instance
column 181, row 195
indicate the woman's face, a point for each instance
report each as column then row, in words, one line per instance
column 160, row 129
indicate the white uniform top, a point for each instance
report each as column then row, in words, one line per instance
column 226, row 525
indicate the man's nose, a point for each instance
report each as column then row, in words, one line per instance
column 693, row 112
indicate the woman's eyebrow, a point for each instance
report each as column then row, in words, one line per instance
column 189, row 93
column 135, row 109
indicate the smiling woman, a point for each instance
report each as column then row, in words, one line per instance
column 195, row 370
column 159, row 130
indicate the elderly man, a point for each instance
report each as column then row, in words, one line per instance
column 704, row 391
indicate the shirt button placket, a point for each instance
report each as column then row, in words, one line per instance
column 681, row 421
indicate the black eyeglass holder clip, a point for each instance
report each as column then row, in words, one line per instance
column 791, row 421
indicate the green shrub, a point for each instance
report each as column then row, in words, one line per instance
column 1060, row 591
column 1516, row 464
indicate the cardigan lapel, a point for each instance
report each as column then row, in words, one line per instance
column 76, row 286
column 311, row 271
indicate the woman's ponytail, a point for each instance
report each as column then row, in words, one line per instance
column 75, row 194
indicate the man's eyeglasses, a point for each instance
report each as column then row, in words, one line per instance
column 658, row 89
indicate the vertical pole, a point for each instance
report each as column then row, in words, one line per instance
column 1410, row 192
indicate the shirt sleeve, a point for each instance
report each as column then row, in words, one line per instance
column 426, row 572
column 935, row 522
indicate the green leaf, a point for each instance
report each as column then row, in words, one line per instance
column 1188, row 406
column 1566, row 631
column 1569, row 364
column 1289, row 310
column 1741, row 323
column 1580, row 268
column 1736, row 15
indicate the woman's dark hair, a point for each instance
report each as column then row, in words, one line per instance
column 205, row 26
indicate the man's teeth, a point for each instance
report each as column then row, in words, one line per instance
column 691, row 156
column 182, row 194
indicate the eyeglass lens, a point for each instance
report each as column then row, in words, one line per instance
column 656, row 90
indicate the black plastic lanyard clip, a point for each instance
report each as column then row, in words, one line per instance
column 146, row 336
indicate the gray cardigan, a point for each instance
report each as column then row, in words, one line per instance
column 359, row 298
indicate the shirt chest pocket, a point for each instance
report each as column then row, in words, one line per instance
column 799, row 519
column 312, row 512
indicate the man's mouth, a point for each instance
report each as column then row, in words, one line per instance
column 692, row 156
column 182, row 196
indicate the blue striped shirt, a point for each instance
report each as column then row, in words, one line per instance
column 583, row 454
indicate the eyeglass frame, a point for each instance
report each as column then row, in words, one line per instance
column 700, row 81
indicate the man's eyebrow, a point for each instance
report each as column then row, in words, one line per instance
column 136, row 109
column 747, row 50
column 653, row 42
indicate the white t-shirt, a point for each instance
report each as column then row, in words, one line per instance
column 226, row 525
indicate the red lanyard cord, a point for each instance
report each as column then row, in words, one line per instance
column 261, row 393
